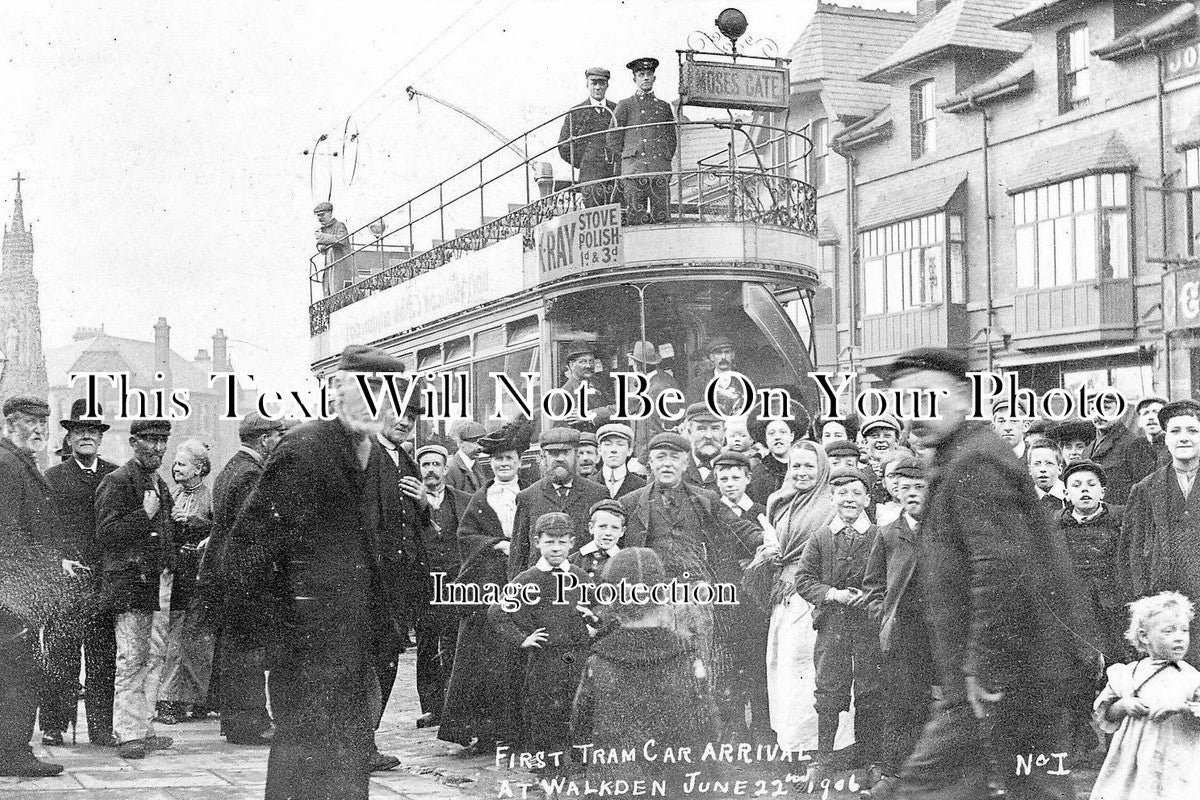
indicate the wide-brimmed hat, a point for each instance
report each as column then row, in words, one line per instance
column 78, row 409
column 645, row 353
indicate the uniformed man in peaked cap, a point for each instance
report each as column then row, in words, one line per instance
column 333, row 241
column 581, row 142
column 644, row 151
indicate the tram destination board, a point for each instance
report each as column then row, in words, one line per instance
column 580, row 241
column 706, row 83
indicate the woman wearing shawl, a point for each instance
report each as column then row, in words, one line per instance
column 800, row 508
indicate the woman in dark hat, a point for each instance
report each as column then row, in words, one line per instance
column 826, row 430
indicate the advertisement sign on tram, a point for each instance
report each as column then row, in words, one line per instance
column 578, row 242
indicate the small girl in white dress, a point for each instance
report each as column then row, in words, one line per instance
column 1150, row 707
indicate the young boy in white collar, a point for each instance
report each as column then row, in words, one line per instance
column 846, row 655
column 733, row 476
column 606, row 524
column 555, row 637
column 1045, row 465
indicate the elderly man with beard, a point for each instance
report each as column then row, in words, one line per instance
column 1004, row 609
column 706, row 434
column 28, row 563
column 134, row 533
column 306, row 548
column 557, row 490
column 74, row 482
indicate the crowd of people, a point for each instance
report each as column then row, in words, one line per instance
column 931, row 604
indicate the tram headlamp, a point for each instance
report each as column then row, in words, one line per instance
column 732, row 23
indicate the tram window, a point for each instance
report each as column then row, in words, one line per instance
column 523, row 330
column 429, row 357
column 457, row 349
column 512, row 365
column 409, row 361
column 489, row 341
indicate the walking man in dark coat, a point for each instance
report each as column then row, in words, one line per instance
column 581, row 142
column 465, row 471
column 1004, row 608
column 74, row 482
column 28, row 569
column 305, row 546
column 1118, row 450
column 645, row 152
column 240, row 659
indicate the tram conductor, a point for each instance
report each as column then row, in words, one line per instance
column 644, row 151
column 581, row 142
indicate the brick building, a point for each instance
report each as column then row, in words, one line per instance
column 1017, row 174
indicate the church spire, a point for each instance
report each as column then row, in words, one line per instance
column 18, row 221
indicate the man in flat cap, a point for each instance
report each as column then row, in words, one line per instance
column 644, row 359
column 465, row 471
column 29, row 569
column 581, row 372
column 306, row 548
column 644, row 151
column 134, row 533
column 240, row 658
column 706, row 433
column 1011, row 639
column 615, row 443
column 74, row 482
column 333, row 241
column 729, row 394
column 581, row 142
column 559, row 489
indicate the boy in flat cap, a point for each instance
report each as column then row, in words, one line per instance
column 333, row 241
column 606, row 525
column 616, row 449
column 846, row 654
column 555, row 637
column 581, row 142
column 644, row 151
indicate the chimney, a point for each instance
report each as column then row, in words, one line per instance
column 220, row 356
column 926, row 9
column 82, row 333
column 202, row 358
column 162, row 349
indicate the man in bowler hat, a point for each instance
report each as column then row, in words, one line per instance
column 644, row 139
column 581, row 142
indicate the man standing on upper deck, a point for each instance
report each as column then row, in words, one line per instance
column 644, row 150
column 581, row 140
column 333, row 241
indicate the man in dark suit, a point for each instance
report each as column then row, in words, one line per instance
column 1011, row 641
column 581, row 370
column 74, row 482
column 306, row 547
column 644, row 151
column 436, row 551
column 240, row 670
column 893, row 592
column 644, row 360
column 464, row 471
column 1118, row 450
column 729, row 395
column 559, row 489
column 28, row 528
column 616, row 448
column 581, row 142
column 706, row 434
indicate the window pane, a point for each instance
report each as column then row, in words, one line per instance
column 1045, row 253
column 1121, row 189
column 1077, row 187
column 1064, row 198
column 1089, row 192
column 1026, row 257
column 1192, row 166
column 873, row 286
column 1062, row 252
column 1030, row 206
column 1051, row 201
column 958, row 293
column 1106, row 189
column 933, row 257
column 1085, row 247
column 1118, row 244
column 895, row 284
column 1043, row 200
column 939, row 222
column 955, row 227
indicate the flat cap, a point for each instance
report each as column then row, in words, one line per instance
column 847, row 475
column 33, row 406
column 150, row 427
column 1147, row 400
column 597, row 72
column 885, row 421
column 1178, row 408
column 731, row 458
column 669, row 440
column 515, row 436
column 1073, row 430
column 937, row 359
column 254, row 423
column 432, row 448
column 700, row 412
column 319, row 207
column 365, row 358
column 554, row 522
column 609, row 505
column 559, row 438
column 577, row 349
column 587, row 437
column 639, row 64
column 909, row 467
column 470, row 431
column 615, row 429
column 77, row 419
column 1086, row 466
column 719, row 343
column 842, row 447
column 645, row 353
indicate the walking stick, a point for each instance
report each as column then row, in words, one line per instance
column 996, row 788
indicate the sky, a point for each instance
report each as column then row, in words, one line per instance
column 164, row 143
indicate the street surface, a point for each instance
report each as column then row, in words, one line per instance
column 201, row 766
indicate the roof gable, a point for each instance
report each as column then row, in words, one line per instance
column 106, row 353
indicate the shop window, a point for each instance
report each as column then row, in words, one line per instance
column 1073, row 231
column 921, row 111
column 904, row 264
column 1074, row 82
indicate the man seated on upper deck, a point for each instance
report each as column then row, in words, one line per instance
column 333, row 240
column 644, row 150
column 581, row 142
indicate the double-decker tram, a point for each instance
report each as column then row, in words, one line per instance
column 502, row 268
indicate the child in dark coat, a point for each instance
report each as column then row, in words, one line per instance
column 642, row 683
column 555, row 637
column 606, row 524
column 846, row 655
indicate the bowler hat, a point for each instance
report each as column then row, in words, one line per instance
column 365, row 358
column 731, row 458
column 842, row 447
column 669, row 440
column 255, row 423
column 559, row 438
column 150, row 427
column 639, row 64
column 645, row 353
column 78, row 409
column 937, row 359
column 1086, row 466
column 1073, row 430
column 319, row 207
column 597, row 72
column 32, row 406
column 615, row 429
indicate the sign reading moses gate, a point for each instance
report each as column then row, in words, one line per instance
column 721, row 85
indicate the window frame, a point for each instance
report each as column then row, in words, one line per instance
column 922, row 111
column 1191, row 202
column 897, row 258
column 818, row 157
column 1072, row 75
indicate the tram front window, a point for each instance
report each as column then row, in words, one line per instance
column 699, row 329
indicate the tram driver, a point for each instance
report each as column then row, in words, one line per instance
column 581, row 142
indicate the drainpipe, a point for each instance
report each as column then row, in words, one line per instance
column 987, row 235
column 851, row 253
column 1162, row 177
